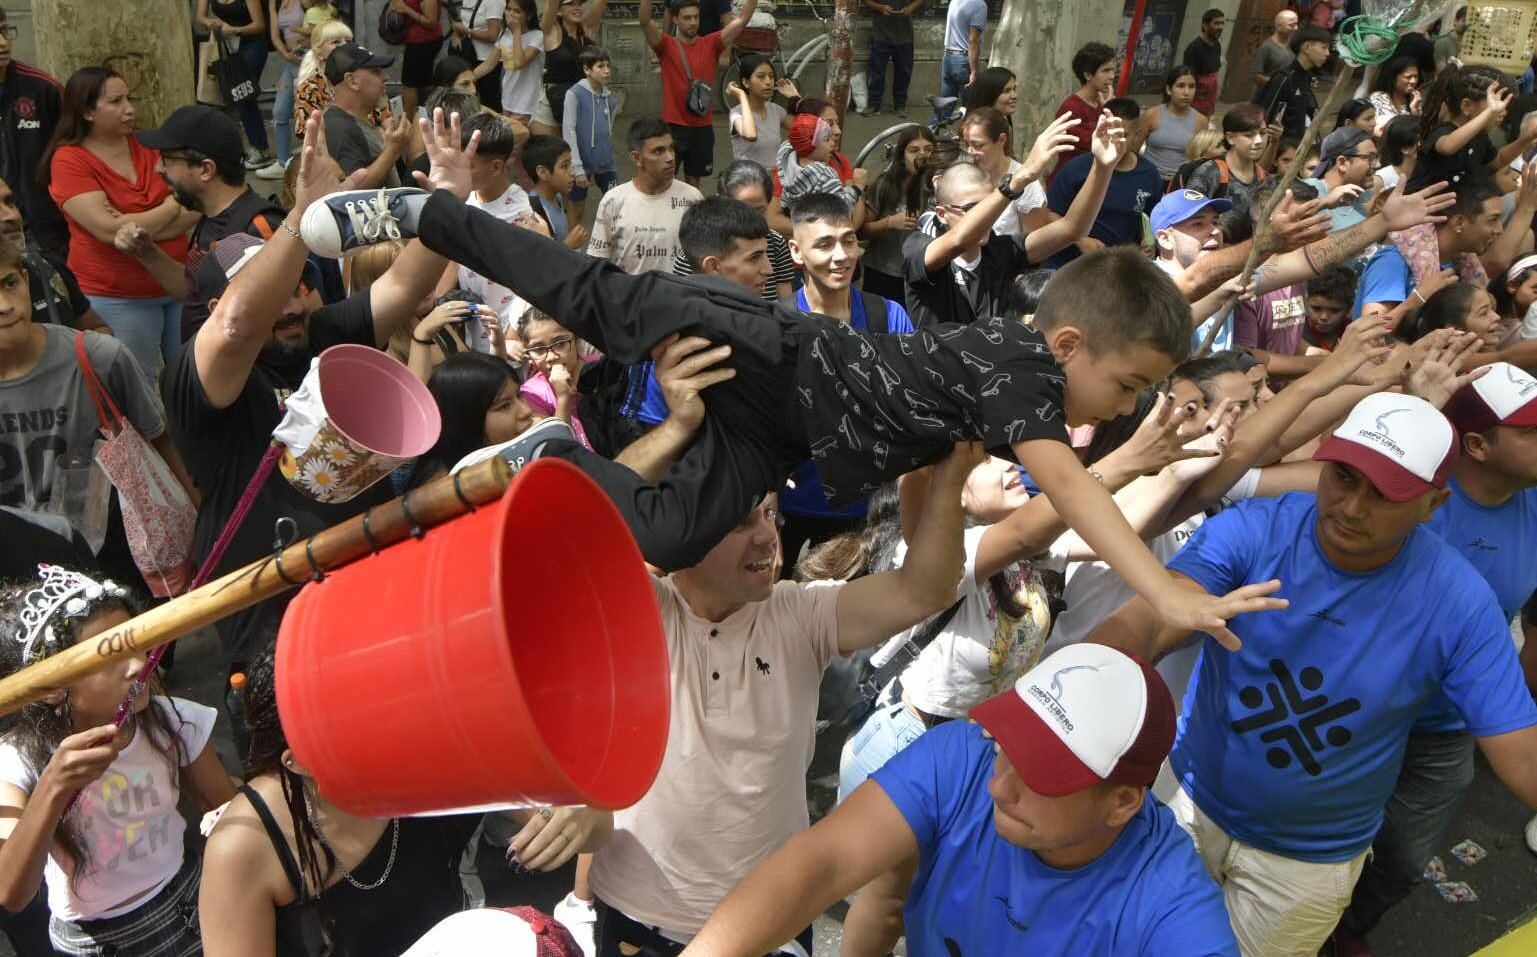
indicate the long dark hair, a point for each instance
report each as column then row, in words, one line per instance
column 1453, row 85
column 1351, row 111
column 1387, row 77
column 895, row 187
column 268, row 742
column 1400, row 139
column 465, row 386
column 990, row 85
column 37, row 729
column 1447, row 309
column 1173, row 77
column 81, row 91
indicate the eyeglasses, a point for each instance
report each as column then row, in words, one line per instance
column 963, row 208
column 9, row 31
column 190, row 157
column 551, row 350
column 1370, row 157
column 771, row 514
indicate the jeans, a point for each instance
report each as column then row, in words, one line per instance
column 954, row 74
column 253, row 50
column 901, row 57
column 885, row 734
column 1437, row 771
column 150, row 328
column 283, row 111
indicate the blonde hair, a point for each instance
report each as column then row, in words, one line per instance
column 1202, row 142
column 363, row 270
column 323, row 34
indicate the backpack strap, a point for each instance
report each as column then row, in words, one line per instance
column 876, row 317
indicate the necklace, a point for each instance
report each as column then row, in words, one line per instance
column 388, row 866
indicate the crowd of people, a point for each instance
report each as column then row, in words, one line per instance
column 1162, row 606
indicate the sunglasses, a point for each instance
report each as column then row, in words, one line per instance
column 963, row 208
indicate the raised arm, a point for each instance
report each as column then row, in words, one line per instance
column 1363, row 342
column 862, row 838
column 975, row 226
column 1496, row 99
column 1091, row 513
column 732, row 30
column 593, row 18
column 648, row 26
column 1398, row 212
column 1108, row 145
column 684, row 369
column 875, row 607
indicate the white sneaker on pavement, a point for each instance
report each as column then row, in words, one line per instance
column 1531, row 835
column 273, row 170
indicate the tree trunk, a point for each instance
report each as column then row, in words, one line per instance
column 149, row 42
column 840, row 58
column 1026, row 42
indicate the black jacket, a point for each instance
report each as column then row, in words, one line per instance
column 29, row 110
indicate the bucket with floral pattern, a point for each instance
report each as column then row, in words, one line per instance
column 357, row 417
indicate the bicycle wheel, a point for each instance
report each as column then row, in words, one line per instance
column 880, row 139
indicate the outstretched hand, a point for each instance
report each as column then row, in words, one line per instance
column 1054, row 140
column 1294, row 225
column 1188, row 607
column 450, row 163
column 319, row 174
column 1401, row 211
column 1364, row 341
column 1438, row 374
column 1109, row 142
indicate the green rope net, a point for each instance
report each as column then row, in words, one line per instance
column 1367, row 41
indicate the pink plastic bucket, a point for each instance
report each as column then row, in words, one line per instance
column 359, row 415
column 513, row 656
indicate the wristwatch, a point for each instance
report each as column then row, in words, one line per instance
column 1008, row 191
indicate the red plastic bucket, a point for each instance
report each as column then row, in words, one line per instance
column 513, row 656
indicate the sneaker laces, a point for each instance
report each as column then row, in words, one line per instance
column 372, row 220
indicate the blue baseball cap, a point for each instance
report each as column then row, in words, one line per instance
column 1180, row 205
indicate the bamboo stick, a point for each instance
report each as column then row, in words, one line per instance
column 432, row 504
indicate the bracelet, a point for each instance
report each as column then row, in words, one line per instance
column 283, row 224
column 1095, row 474
column 421, row 342
column 1416, row 293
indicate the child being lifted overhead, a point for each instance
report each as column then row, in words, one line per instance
column 868, row 408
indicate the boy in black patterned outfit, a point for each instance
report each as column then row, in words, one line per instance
column 867, row 407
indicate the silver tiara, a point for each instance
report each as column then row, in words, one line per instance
column 61, row 589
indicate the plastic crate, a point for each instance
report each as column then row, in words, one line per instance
column 1501, row 35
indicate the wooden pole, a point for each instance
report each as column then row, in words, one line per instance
column 1343, row 85
column 432, row 504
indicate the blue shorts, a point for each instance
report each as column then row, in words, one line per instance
column 602, row 182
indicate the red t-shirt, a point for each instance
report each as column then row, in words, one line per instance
column 1088, row 118
column 100, row 269
column 416, row 33
column 702, row 54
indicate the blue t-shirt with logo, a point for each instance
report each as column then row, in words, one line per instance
column 977, row 895
column 1293, row 743
column 1500, row 542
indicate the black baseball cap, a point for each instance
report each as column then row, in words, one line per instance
column 350, row 57
column 200, row 128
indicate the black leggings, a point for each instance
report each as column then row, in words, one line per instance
column 616, row 932
column 750, row 441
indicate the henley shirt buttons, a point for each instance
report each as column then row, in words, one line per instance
column 714, row 632
column 715, row 675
